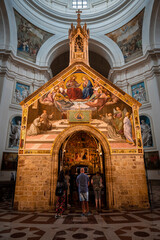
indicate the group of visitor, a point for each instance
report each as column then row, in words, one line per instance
column 82, row 181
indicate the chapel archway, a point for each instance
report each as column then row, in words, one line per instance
column 82, row 149
column 95, row 133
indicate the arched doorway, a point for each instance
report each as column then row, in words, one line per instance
column 82, row 149
column 58, row 157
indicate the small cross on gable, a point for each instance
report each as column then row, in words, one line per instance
column 78, row 17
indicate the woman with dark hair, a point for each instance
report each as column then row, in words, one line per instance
column 61, row 194
column 97, row 185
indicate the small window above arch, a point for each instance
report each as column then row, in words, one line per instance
column 79, row 4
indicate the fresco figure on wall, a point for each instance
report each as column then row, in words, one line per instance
column 15, row 130
column 40, row 124
column 100, row 99
column 87, row 88
column 146, row 132
column 30, row 38
column 62, row 101
column 118, row 119
column 128, row 129
column 129, row 37
column 73, row 90
column 57, row 97
column 111, row 131
column 45, row 123
column 35, row 127
column 48, row 98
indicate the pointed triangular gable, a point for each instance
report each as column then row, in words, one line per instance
column 81, row 95
column 83, row 68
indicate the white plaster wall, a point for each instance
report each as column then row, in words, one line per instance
column 154, row 111
column 6, row 99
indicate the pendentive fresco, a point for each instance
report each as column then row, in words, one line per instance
column 30, row 38
column 129, row 38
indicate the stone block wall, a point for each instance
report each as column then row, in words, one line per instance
column 37, row 177
column 129, row 182
column 33, row 183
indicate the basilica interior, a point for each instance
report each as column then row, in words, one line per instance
column 80, row 88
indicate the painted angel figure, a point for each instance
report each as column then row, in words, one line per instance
column 57, row 97
column 62, row 102
column 48, row 99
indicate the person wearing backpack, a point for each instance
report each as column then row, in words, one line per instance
column 97, row 186
column 61, row 194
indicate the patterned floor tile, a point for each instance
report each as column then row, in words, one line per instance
column 149, row 216
column 138, row 233
column 77, row 219
column 116, row 219
column 11, row 217
column 40, row 219
column 107, row 225
column 80, row 233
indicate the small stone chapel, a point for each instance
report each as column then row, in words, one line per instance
column 80, row 119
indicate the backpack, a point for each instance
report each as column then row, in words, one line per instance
column 59, row 189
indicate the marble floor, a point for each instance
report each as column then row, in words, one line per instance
column 107, row 225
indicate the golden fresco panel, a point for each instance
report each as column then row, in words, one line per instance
column 79, row 93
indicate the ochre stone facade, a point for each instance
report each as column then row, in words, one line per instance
column 129, row 182
column 33, row 183
column 36, row 182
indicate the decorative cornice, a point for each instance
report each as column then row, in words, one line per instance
column 7, row 55
column 145, row 106
column 151, row 55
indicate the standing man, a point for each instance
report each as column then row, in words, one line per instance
column 83, row 183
